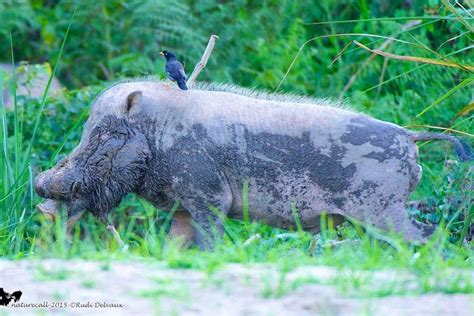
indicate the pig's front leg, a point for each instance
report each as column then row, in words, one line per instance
column 206, row 209
column 205, row 193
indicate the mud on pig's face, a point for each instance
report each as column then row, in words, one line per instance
column 109, row 163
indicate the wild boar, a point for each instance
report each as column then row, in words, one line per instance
column 200, row 147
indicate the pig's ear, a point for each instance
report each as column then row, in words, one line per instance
column 133, row 102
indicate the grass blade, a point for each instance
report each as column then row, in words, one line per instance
column 43, row 100
column 414, row 58
column 336, row 35
column 459, row 17
column 404, row 18
column 464, row 83
column 413, row 70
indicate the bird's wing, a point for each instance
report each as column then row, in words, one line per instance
column 175, row 70
column 170, row 77
column 169, row 71
column 181, row 71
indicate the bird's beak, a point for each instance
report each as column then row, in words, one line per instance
column 161, row 53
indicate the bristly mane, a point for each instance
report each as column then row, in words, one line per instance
column 265, row 95
column 231, row 88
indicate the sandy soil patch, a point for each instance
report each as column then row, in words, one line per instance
column 81, row 287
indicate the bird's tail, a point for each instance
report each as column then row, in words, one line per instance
column 463, row 150
column 182, row 84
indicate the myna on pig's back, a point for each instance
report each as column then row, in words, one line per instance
column 175, row 70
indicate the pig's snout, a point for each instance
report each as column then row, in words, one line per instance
column 52, row 184
column 40, row 185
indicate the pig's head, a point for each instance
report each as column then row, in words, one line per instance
column 109, row 162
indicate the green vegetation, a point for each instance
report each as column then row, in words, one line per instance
column 44, row 274
column 289, row 46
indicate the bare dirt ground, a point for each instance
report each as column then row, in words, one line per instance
column 80, row 287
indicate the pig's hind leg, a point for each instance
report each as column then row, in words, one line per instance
column 396, row 219
column 182, row 228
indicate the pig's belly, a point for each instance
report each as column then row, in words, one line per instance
column 278, row 203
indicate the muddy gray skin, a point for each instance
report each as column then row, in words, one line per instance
column 200, row 147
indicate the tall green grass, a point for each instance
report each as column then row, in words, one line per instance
column 17, row 181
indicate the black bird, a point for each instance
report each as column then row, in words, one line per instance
column 175, row 70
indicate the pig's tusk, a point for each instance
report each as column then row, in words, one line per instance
column 49, row 208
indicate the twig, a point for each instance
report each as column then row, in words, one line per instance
column 202, row 63
column 416, row 59
column 382, row 76
column 252, row 239
column 335, row 243
column 447, row 129
column 384, row 45
column 116, row 235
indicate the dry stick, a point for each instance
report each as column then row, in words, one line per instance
column 334, row 243
column 116, row 235
column 446, row 129
column 382, row 76
column 252, row 239
column 384, row 45
column 202, row 63
column 415, row 58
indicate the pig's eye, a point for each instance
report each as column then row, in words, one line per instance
column 62, row 162
column 76, row 188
